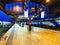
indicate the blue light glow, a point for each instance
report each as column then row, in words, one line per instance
column 11, row 5
column 7, row 7
column 4, row 17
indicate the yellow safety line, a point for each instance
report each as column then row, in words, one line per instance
column 8, row 35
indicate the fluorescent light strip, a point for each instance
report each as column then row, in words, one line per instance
column 42, row 14
column 26, row 13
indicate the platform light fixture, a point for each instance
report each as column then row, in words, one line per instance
column 47, row 1
column 26, row 13
column 16, row 8
column 42, row 14
column 32, row 9
column 41, row 9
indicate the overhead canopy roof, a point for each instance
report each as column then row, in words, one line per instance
column 53, row 4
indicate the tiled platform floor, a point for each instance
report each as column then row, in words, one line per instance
column 38, row 36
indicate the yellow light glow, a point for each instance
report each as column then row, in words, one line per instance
column 18, row 0
column 41, row 9
column 47, row 1
column 16, row 8
column 32, row 9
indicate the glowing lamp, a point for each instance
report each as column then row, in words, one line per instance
column 32, row 9
column 17, row 9
column 40, row 9
column 47, row 1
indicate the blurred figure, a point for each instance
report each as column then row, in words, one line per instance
column 22, row 24
column 30, row 24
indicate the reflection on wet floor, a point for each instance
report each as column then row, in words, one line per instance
column 44, row 37
column 38, row 36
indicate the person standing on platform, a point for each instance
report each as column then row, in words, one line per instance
column 30, row 24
